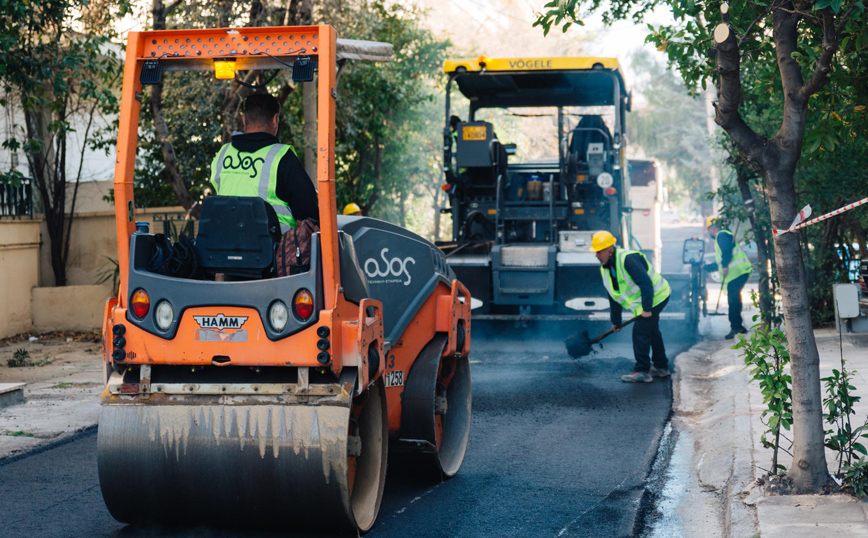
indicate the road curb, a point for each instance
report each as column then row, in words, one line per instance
column 711, row 470
column 61, row 440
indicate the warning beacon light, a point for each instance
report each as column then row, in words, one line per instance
column 224, row 69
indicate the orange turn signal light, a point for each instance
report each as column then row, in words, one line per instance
column 302, row 304
column 140, row 304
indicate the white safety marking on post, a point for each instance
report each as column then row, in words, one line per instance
column 797, row 224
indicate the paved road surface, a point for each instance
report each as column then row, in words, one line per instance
column 556, row 445
column 558, row 448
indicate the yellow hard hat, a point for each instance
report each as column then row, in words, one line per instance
column 711, row 221
column 602, row 241
column 351, row 208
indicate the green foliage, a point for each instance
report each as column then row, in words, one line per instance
column 839, row 402
column 17, row 433
column 57, row 57
column 59, row 67
column 388, row 135
column 388, row 115
column 855, row 477
column 766, row 356
column 111, row 271
column 838, row 112
column 19, row 359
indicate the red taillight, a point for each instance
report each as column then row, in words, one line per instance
column 302, row 305
column 140, row 303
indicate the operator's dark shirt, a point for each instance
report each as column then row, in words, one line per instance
column 293, row 184
column 637, row 268
column 726, row 244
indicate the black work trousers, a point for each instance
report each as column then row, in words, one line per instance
column 733, row 296
column 647, row 337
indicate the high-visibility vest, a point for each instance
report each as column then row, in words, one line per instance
column 739, row 265
column 628, row 294
column 238, row 173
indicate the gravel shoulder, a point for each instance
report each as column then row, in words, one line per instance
column 61, row 397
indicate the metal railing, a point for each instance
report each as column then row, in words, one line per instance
column 16, row 200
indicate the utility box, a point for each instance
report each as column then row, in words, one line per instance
column 847, row 315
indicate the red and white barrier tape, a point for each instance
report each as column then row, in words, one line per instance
column 799, row 222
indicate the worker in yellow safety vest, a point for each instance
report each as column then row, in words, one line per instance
column 635, row 286
column 734, row 269
column 255, row 163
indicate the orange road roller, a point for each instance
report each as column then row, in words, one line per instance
column 246, row 399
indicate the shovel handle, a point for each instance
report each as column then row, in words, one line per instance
column 610, row 331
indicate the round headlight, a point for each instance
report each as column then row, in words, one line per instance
column 278, row 315
column 164, row 315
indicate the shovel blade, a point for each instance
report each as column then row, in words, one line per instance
column 578, row 345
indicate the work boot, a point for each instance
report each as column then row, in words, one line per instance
column 660, row 372
column 733, row 332
column 637, row 377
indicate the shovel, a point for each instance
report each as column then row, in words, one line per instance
column 579, row 344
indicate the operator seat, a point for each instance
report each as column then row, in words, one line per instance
column 590, row 130
column 238, row 236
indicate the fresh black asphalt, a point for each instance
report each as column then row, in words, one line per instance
column 557, row 448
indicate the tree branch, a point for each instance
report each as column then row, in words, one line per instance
column 824, row 63
column 760, row 17
column 727, row 116
column 785, row 34
column 168, row 10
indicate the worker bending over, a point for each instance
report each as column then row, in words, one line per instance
column 635, row 286
column 734, row 269
column 255, row 163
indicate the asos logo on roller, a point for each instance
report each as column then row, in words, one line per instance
column 395, row 267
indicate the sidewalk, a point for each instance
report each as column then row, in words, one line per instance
column 61, row 396
column 713, row 486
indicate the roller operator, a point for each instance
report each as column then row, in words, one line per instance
column 255, row 163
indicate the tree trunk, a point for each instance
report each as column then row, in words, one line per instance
column 809, row 471
column 44, row 167
column 168, row 150
column 762, row 247
column 378, row 171
column 776, row 161
column 160, row 12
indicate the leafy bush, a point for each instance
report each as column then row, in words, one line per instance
column 765, row 353
column 856, row 477
column 843, row 438
column 20, row 358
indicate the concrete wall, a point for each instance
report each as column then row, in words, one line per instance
column 69, row 308
column 19, row 273
column 93, row 243
column 28, row 299
column 90, row 196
